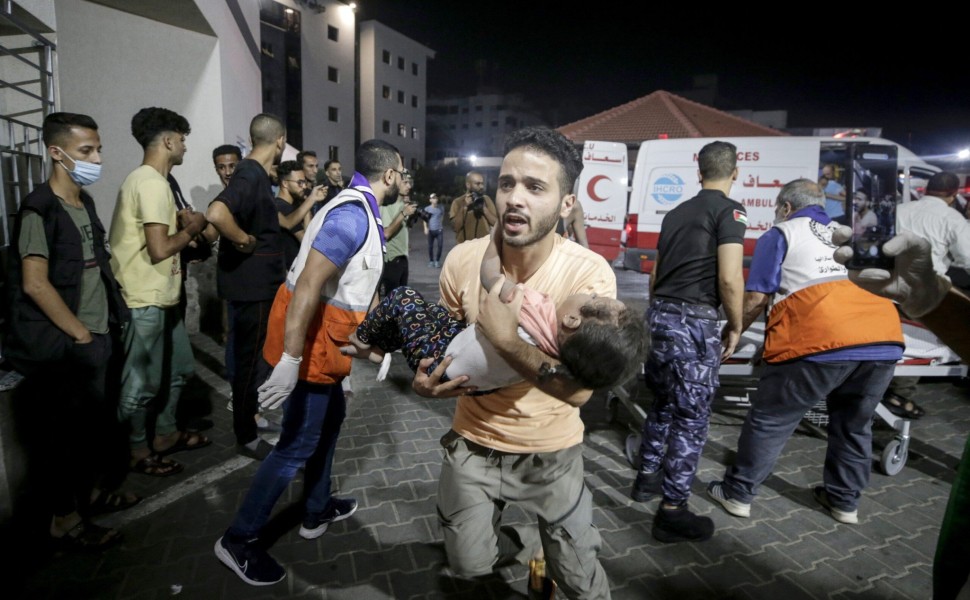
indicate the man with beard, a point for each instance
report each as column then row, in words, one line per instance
column 147, row 235
column 394, row 215
column 293, row 203
column 521, row 443
column 326, row 295
column 473, row 214
column 249, row 270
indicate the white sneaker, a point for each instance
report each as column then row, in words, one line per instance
column 849, row 517
column 739, row 509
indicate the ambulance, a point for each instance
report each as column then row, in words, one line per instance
column 625, row 219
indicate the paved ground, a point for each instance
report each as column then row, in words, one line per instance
column 388, row 458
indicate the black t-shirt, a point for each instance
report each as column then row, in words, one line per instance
column 688, row 243
column 256, row 276
column 290, row 243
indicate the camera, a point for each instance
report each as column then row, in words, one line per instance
column 418, row 214
column 478, row 204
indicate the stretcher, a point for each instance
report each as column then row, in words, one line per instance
column 924, row 356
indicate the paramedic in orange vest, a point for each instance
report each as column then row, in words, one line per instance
column 825, row 339
column 327, row 292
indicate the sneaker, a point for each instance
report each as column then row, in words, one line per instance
column 739, row 509
column 253, row 564
column 262, row 450
column 849, row 517
column 681, row 525
column 647, row 485
column 431, row 264
column 337, row 510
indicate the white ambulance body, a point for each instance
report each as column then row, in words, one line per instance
column 666, row 175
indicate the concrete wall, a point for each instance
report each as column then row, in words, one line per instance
column 375, row 74
column 162, row 66
column 319, row 93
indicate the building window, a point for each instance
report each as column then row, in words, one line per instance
column 333, row 74
column 414, row 101
column 414, row 132
column 333, row 153
column 402, row 130
column 386, row 126
column 453, row 109
column 478, row 124
column 386, row 57
column 333, row 113
column 400, row 96
column 400, row 62
column 464, row 110
column 478, row 108
column 452, row 127
column 280, row 66
column 333, row 33
column 414, row 68
column 494, row 123
column 464, row 125
column 386, row 91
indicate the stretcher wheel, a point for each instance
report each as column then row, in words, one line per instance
column 893, row 458
column 632, row 449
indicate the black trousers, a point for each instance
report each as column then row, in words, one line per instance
column 395, row 275
column 249, row 321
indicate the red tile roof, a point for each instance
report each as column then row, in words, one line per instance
column 659, row 113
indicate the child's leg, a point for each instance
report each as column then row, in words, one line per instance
column 405, row 320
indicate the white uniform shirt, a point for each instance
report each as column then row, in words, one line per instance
column 946, row 230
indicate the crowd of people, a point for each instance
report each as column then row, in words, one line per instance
column 313, row 271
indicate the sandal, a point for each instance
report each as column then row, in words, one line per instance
column 155, row 466
column 108, row 502
column 186, row 441
column 88, row 536
column 902, row 407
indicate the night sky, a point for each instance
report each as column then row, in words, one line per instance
column 826, row 72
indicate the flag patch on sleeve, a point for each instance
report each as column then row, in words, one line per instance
column 740, row 217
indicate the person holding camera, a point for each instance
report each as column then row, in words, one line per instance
column 473, row 214
column 395, row 216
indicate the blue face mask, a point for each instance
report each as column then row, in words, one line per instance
column 84, row 173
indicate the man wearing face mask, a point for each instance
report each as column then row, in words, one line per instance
column 148, row 234
column 825, row 340
column 64, row 303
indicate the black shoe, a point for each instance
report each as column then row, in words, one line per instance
column 338, row 509
column 681, row 525
column 248, row 560
column 263, row 448
column 647, row 485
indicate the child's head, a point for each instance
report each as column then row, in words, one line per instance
column 601, row 341
column 433, row 199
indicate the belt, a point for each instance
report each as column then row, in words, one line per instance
column 699, row 311
column 477, row 449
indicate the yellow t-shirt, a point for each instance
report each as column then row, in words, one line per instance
column 145, row 197
column 520, row 418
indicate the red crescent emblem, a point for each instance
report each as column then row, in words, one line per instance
column 591, row 188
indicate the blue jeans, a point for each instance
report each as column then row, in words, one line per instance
column 435, row 244
column 312, row 417
column 851, row 391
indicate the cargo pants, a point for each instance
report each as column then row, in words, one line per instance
column 682, row 373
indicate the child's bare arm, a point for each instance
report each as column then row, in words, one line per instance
column 491, row 268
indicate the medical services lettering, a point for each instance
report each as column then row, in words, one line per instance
column 750, row 156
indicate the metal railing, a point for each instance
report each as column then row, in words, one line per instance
column 26, row 96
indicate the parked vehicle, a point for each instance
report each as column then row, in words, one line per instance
column 622, row 218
